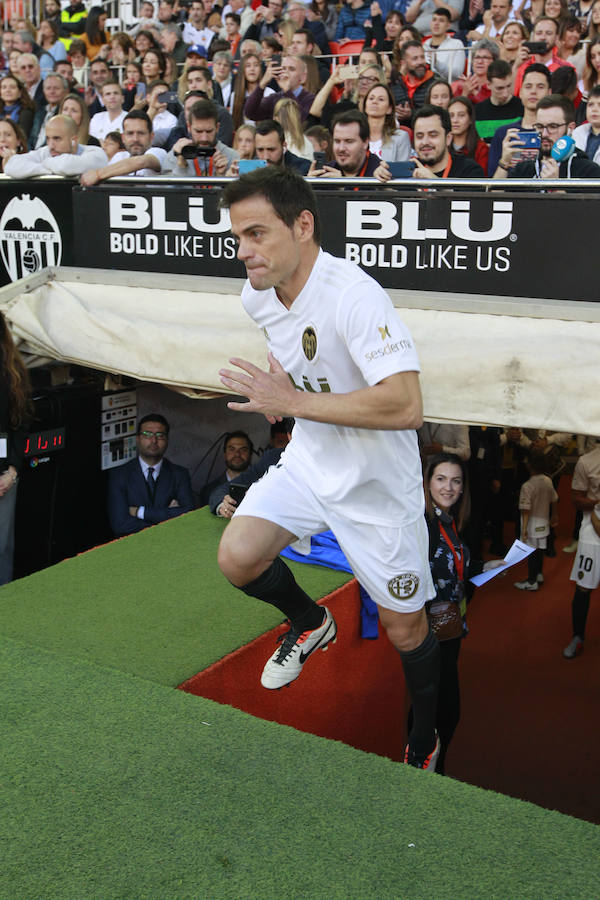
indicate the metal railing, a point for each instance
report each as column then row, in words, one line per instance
column 487, row 185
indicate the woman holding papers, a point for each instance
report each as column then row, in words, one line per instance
column 447, row 507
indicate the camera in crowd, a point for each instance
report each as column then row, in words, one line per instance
column 192, row 151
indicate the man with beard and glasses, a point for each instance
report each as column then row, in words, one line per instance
column 138, row 158
column 555, row 118
column 432, row 139
column 412, row 88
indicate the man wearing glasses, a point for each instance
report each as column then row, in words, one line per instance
column 148, row 489
column 555, row 118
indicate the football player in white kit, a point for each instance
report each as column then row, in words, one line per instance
column 586, row 565
column 344, row 366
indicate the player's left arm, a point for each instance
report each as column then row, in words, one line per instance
column 391, row 404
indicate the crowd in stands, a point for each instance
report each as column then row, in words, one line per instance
column 194, row 88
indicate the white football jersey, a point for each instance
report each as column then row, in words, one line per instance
column 340, row 335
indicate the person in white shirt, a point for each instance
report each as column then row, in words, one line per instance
column 62, row 155
column 344, row 366
column 140, row 157
column 446, row 55
column 495, row 20
column 195, row 30
column 159, row 115
column 111, row 119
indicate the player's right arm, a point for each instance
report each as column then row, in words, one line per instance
column 394, row 403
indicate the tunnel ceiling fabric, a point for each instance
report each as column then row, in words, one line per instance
column 475, row 368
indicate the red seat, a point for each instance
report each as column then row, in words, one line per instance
column 343, row 51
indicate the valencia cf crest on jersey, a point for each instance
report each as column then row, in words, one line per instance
column 309, row 342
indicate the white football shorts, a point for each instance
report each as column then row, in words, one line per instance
column 390, row 562
column 586, row 565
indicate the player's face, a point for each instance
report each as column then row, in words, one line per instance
column 446, row 485
column 267, row 247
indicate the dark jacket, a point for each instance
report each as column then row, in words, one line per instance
column 578, row 166
column 402, row 95
column 253, row 473
column 464, row 167
column 128, row 487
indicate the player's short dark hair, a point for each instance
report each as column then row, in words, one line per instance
column 499, row 68
column 236, row 18
column 429, row 110
column 237, row 434
column 268, row 126
column 287, row 192
column 141, row 115
column 353, row 116
column 552, row 100
column 204, row 109
column 153, row 417
column 442, row 11
column 594, row 92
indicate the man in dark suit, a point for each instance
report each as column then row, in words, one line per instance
column 149, row 489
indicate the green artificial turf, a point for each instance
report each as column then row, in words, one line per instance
column 116, row 787
column 154, row 604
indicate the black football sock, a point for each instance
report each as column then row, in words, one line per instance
column 422, row 674
column 579, row 611
column 278, row 587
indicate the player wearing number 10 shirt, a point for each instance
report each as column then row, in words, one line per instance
column 343, row 364
column 586, row 565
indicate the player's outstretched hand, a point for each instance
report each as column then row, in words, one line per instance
column 271, row 393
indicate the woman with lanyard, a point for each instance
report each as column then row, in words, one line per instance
column 14, row 410
column 447, row 505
